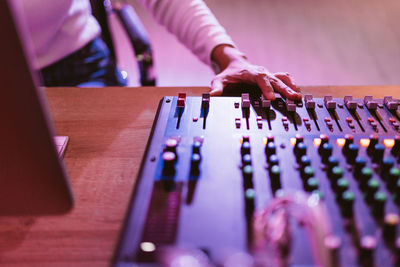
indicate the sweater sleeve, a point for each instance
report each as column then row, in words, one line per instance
column 192, row 22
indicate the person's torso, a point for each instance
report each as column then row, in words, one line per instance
column 59, row 27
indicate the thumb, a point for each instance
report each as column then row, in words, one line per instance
column 216, row 87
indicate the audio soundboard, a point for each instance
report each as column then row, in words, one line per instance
column 246, row 181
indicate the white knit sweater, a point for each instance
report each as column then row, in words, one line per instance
column 61, row 27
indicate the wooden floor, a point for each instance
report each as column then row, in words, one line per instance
column 337, row 42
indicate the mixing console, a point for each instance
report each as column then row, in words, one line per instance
column 242, row 181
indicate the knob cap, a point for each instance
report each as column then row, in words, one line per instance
column 379, row 151
column 270, row 149
column 194, row 164
column 245, row 149
column 169, row 159
column 326, row 152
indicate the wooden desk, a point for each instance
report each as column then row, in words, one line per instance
column 108, row 130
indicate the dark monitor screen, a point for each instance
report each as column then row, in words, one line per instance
column 33, row 180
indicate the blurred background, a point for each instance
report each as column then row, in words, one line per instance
column 340, row 42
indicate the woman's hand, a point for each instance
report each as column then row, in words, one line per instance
column 236, row 69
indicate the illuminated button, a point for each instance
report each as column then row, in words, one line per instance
column 364, row 142
column 317, row 142
column 340, row 142
column 396, row 147
column 391, row 221
column 245, row 149
column 311, row 184
column 168, row 163
column 246, row 159
column 270, row 148
column 378, row 153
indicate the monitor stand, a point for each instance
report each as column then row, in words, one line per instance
column 61, row 144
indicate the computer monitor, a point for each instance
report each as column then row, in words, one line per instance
column 33, row 179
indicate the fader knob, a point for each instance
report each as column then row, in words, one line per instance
column 359, row 164
column 196, row 147
column 246, row 159
column 326, row 152
column 365, row 175
column 337, row 172
column 245, row 149
column 194, row 164
column 305, row 161
column 307, row 172
column 387, row 164
column 301, row 150
column 393, row 177
column 170, row 145
column 379, row 199
column 273, row 160
column 379, row 150
column 342, row 185
column 275, row 173
column 347, row 201
column 390, row 226
column 270, row 148
column 372, row 187
column 368, row 245
column 168, row 163
column 311, row 184
column 352, row 152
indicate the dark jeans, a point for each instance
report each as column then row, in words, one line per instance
column 90, row 66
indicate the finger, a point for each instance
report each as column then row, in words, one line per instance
column 265, row 86
column 287, row 79
column 217, row 87
column 283, row 89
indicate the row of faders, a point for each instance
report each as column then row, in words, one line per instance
column 243, row 181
